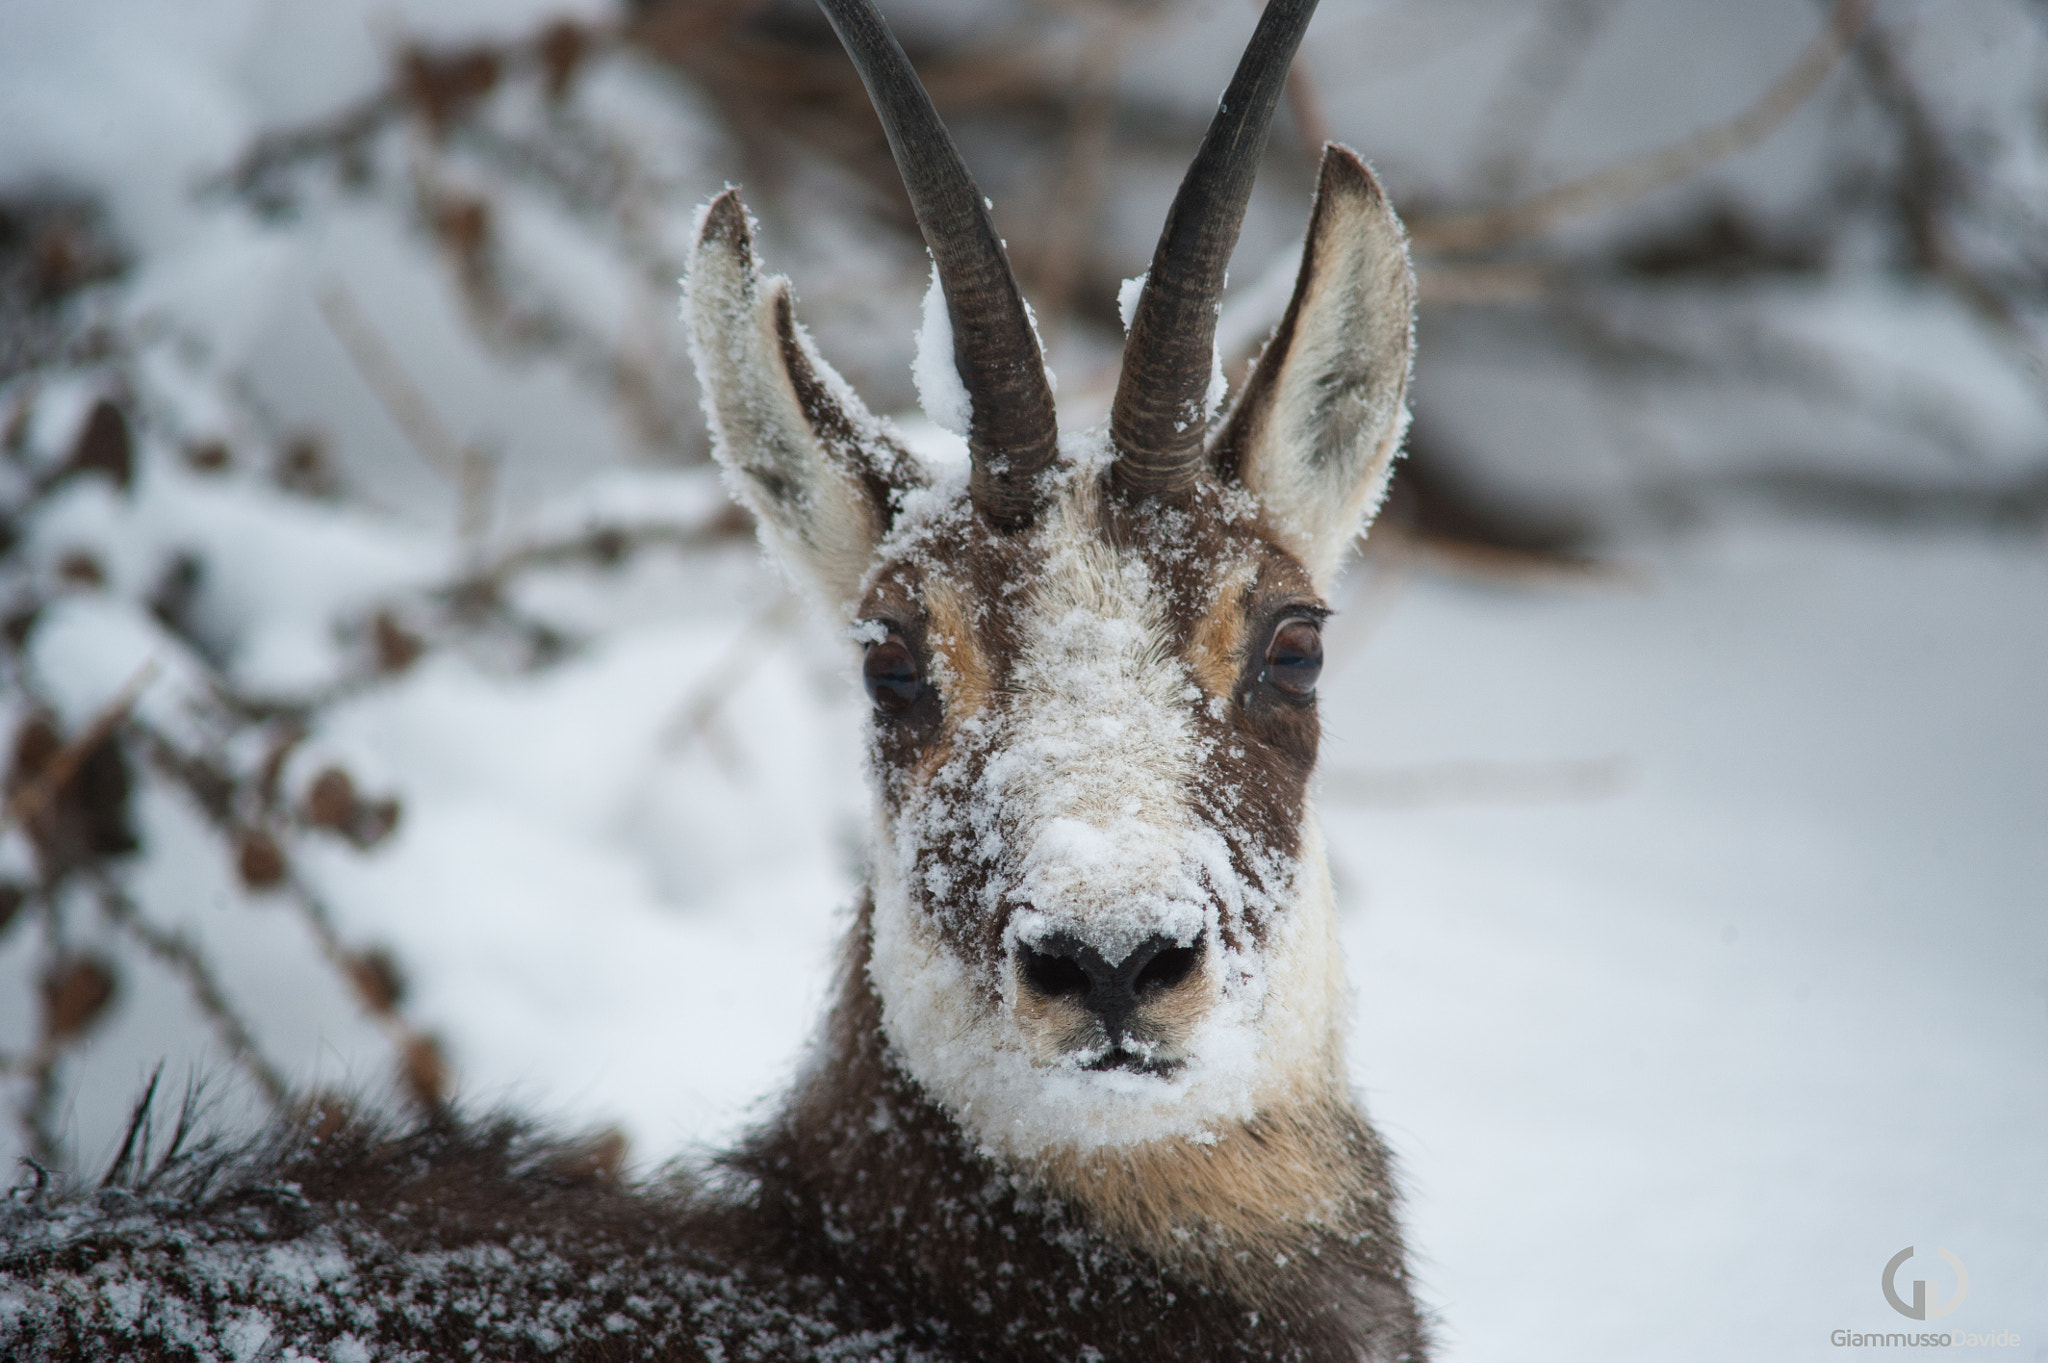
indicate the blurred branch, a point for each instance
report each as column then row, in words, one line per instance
column 1654, row 170
column 1496, row 565
column 1442, row 783
column 698, row 713
column 437, row 85
column 1486, row 283
column 600, row 546
column 1529, row 93
column 1932, row 184
column 470, row 469
column 177, row 952
column 394, row 388
column 1305, row 104
column 28, row 802
column 263, row 866
column 1077, row 200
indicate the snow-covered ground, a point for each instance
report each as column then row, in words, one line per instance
column 1675, row 1071
column 1698, row 914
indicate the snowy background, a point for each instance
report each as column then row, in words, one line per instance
column 395, row 708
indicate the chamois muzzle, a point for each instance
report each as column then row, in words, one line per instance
column 1062, row 968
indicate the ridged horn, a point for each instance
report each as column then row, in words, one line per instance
column 1012, row 430
column 1161, row 411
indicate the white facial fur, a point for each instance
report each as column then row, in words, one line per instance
column 1081, row 806
column 1271, row 1035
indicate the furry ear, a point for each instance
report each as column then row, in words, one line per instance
column 1316, row 429
column 799, row 449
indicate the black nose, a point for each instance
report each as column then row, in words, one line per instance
column 1062, row 966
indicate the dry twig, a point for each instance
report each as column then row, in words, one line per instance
column 1654, row 170
column 387, row 378
column 1442, row 783
column 33, row 796
column 177, row 951
column 698, row 712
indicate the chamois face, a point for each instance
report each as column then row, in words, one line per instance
column 1102, row 914
column 1092, row 740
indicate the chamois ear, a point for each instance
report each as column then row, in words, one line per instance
column 799, row 449
column 1316, row 429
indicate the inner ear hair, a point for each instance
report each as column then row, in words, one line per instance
column 799, row 448
column 1315, row 431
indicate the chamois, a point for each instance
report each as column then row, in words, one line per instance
column 1081, row 1090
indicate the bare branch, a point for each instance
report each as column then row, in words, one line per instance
column 175, row 950
column 1305, row 104
column 1932, row 179
column 33, row 796
column 1665, row 166
column 1529, row 93
column 1440, row 783
column 387, row 378
column 1077, row 201
column 700, row 707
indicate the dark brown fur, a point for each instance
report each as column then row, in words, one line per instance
column 857, row 1224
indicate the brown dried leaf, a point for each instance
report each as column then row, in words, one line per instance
column 80, row 569
column 375, row 821
column 424, row 1070
column 209, row 456
column 563, row 45
column 104, row 445
column 303, row 467
column 259, row 860
column 597, row 1158
column 325, row 1113
column 442, row 85
column 331, row 802
column 397, row 647
column 377, row 979
column 76, row 993
column 463, row 223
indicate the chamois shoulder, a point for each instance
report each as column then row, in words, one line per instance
column 450, row 1238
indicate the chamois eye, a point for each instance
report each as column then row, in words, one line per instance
column 891, row 674
column 1295, row 657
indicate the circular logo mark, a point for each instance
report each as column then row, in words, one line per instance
column 1926, row 1305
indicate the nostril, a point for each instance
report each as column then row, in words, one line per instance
column 1167, row 969
column 1054, row 976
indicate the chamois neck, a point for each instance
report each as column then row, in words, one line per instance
column 1277, row 1241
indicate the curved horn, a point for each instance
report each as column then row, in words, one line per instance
column 1161, row 410
column 1012, row 431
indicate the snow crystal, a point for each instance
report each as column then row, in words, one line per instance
column 934, row 371
column 1127, row 298
column 1212, row 400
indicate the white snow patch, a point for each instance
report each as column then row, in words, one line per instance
column 939, row 389
column 1127, row 295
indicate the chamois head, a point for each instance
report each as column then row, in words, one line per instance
column 1102, row 913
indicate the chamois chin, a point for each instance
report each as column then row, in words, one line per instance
column 1081, row 1091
